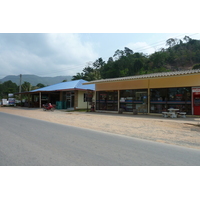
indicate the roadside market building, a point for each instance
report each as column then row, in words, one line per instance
column 66, row 95
column 150, row 93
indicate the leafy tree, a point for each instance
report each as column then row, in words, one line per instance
column 40, row 85
column 92, row 73
column 127, row 51
column 110, row 60
column 78, row 76
column 88, row 70
column 178, row 54
column 98, row 63
column 1, row 91
column 197, row 66
column 187, row 39
column 118, row 54
column 171, row 42
column 26, row 86
column 158, row 59
column 8, row 87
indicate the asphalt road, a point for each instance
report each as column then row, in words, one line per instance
column 31, row 142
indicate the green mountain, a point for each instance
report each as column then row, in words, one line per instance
column 178, row 55
column 34, row 80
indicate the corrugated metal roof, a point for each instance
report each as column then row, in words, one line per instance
column 71, row 85
column 145, row 76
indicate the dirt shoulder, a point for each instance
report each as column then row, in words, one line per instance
column 180, row 131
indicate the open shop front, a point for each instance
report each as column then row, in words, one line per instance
column 37, row 99
column 134, row 100
column 161, row 99
column 125, row 99
column 107, row 100
column 150, row 94
column 62, row 100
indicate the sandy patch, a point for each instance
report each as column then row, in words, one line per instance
column 182, row 132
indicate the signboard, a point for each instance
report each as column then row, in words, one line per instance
column 196, row 100
column 10, row 95
column 89, row 97
column 11, row 101
column 196, row 89
column 4, row 102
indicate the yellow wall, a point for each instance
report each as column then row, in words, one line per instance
column 164, row 82
column 136, row 84
column 179, row 81
column 81, row 103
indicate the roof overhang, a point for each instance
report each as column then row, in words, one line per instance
column 48, row 91
column 146, row 76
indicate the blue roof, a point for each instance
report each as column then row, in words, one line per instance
column 71, row 85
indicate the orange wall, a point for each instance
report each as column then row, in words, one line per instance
column 165, row 82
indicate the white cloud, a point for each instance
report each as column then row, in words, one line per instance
column 44, row 54
column 69, row 48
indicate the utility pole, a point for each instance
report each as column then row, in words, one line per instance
column 87, row 99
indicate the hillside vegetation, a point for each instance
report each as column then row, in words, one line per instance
column 34, row 80
column 10, row 84
column 178, row 55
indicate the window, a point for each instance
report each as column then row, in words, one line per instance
column 107, row 100
column 134, row 99
column 87, row 97
column 162, row 99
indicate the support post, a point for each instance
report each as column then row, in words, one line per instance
column 87, row 99
column 118, row 101
column 148, row 98
column 40, row 100
column 29, row 100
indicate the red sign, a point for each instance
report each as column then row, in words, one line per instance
column 196, row 89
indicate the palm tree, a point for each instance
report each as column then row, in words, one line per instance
column 26, row 86
column 78, row 76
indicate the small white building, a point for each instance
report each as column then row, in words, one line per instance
column 66, row 95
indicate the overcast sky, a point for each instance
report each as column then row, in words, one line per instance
column 60, row 39
column 66, row 54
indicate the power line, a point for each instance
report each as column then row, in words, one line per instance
column 152, row 45
column 136, row 50
column 155, row 44
column 161, row 42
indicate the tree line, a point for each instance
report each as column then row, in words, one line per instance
column 8, row 87
column 178, row 55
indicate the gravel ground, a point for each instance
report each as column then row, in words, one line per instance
column 179, row 131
